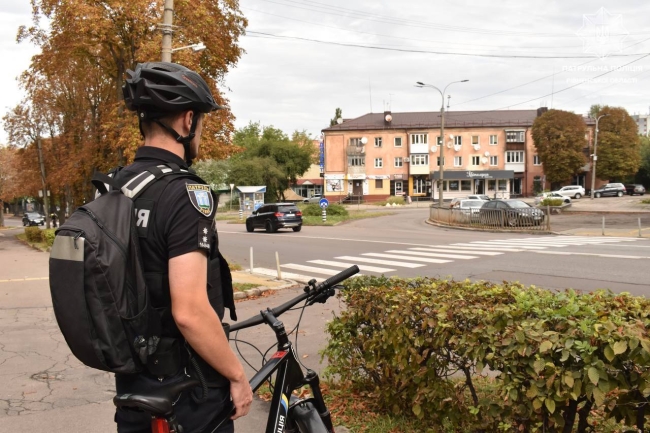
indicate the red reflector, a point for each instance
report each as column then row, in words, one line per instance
column 159, row 425
column 279, row 214
column 298, row 213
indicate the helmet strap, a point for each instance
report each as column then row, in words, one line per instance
column 185, row 141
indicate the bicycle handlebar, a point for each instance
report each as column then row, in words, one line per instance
column 317, row 290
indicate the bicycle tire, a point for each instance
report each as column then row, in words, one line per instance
column 306, row 418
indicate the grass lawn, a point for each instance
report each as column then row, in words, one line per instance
column 39, row 245
column 240, row 287
column 332, row 220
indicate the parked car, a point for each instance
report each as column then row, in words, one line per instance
column 274, row 216
column 470, row 208
column 33, row 219
column 513, row 213
column 455, row 202
column 478, row 197
column 610, row 189
column 573, row 191
column 313, row 199
column 632, row 189
column 552, row 194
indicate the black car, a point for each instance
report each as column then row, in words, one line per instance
column 275, row 216
column 33, row 219
column 635, row 189
column 610, row 189
column 513, row 213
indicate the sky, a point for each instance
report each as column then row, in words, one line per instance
column 305, row 58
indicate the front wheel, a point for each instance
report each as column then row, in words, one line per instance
column 620, row 194
column 597, row 195
column 249, row 227
column 578, row 195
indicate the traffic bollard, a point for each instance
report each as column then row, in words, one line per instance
column 324, row 215
column 241, row 214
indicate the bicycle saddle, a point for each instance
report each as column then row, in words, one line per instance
column 157, row 402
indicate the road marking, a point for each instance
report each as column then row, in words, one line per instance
column 310, row 269
column 446, row 256
column 347, row 265
column 449, row 250
column 401, row 257
column 380, row 262
column 522, row 244
column 288, row 275
column 612, row 256
column 483, row 247
column 511, row 245
column 14, row 280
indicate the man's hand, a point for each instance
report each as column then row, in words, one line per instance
column 242, row 397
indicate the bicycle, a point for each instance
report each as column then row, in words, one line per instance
column 288, row 413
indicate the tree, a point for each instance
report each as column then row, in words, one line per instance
column 9, row 178
column 559, row 138
column 337, row 115
column 214, row 172
column 270, row 158
column 643, row 175
column 594, row 110
column 618, row 145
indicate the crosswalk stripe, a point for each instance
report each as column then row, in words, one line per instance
column 484, row 247
column 288, row 275
column 565, row 253
column 517, row 243
column 512, row 245
column 310, row 269
column 449, row 250
column 447, row 256
column 562, row 241
column 347, row 265
column 381, row 262
column 401, row 257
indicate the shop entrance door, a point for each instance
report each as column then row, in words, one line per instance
column 480, row 186
column 357, row 187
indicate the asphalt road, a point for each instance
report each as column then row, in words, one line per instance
column 386, row 243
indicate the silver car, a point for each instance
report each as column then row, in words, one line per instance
column 471, row 208
column 553, row 194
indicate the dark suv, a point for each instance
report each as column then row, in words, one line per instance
column 275, row 216
column 610, row 189
column 635, row 189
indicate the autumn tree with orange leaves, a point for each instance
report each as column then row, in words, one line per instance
column 75, row 82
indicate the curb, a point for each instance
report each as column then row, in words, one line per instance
column 257, row 291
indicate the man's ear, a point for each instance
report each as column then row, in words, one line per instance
column 187, row 120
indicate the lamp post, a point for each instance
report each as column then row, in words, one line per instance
column 595, row 157
column 200, row 46
column 442, row 132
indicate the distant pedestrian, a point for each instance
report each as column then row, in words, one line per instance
column 53, row 218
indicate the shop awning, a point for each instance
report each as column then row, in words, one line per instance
column 474, row 174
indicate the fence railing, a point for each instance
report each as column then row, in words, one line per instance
column 525, row 219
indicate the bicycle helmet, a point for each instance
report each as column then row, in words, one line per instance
column 156, row 89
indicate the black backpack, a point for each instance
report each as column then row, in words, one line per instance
column 97, row 281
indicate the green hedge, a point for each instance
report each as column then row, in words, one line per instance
column 552, row 202
column 333, row 209
column 48, row 236
column 422, row 346
column 33, row 234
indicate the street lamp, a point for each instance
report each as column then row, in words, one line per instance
column 195, row 47
column 442, row 131
column 595, row 158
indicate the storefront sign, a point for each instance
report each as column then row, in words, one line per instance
column 479, row 174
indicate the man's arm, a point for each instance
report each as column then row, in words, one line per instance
column 201, row 327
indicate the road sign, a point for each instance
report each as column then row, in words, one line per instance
column 323, row 202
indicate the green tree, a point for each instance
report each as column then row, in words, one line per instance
column 270, row 158
column 213, row 171
column 618, row 145
column 338, row 114
column 643, row 175
column 594, row 110
column 559, row 138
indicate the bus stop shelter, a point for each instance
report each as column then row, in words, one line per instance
column 251, row 197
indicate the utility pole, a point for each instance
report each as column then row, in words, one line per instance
column 595, row 158
column 168, row 19
column 46, row 200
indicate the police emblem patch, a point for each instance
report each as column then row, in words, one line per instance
column 201, row 198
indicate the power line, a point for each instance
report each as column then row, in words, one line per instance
column 454, row 53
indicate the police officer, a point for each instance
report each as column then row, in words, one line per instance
column 188, row 281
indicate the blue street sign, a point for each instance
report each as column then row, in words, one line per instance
column 323, row 202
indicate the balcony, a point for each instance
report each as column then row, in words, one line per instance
column 517, row 167
column 515, row 146
column 354, row 150
column 419, row 148
column 356, row 170
column 515, row 136
column 419, row 169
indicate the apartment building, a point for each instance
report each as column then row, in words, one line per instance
column 382, row 154
column 643, row 123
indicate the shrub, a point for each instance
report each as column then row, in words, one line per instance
column 48, row 236
column 333, row 210
column 33, row 234
column 552, row 202
column 557, row 355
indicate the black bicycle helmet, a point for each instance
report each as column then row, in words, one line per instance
column 156, row 89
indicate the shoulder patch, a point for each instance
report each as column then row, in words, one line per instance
column 201, row 198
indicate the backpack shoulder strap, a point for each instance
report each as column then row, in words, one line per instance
column 135, row 186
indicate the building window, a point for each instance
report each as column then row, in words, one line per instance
column 438, row 161
column 356, row 142
column 419, row 138
column 465, row 185
column 494, row 161
column 458, row 140
column 356, row 161
column 439, row 141
column 492, row 184
column 420, row 159
column 475, row 140
column 515, row 156
column 398, row 187
column 536, row 160
column 454, row 185
column 515, row 136
column 503, row 184
column 379, row 162
column 398, row 141
column 378, row 141
column 398, row 161
column 379, row 183
column 476, row 160
column 458, row 161
column 493, row 140
column 419, row 185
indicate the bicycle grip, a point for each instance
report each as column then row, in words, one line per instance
column 341, row 276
